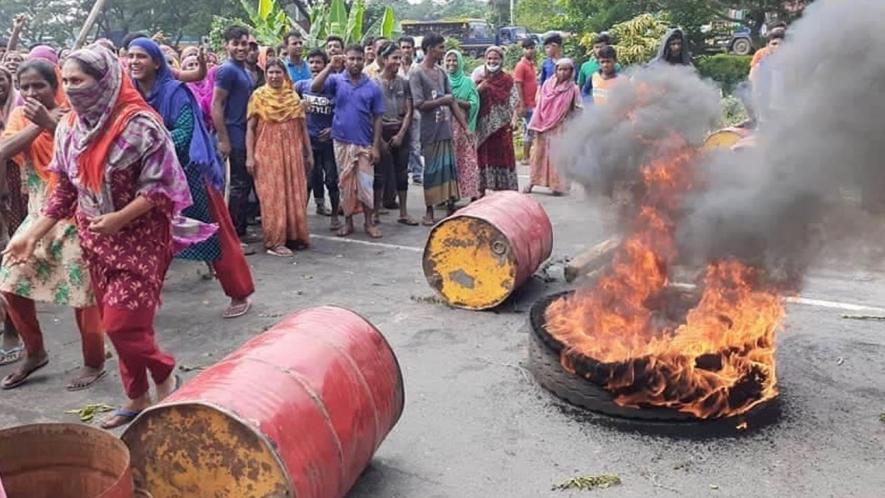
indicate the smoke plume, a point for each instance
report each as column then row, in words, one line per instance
column 821, row 136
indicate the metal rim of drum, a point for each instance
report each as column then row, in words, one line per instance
column 544, row 363
column 499, row 246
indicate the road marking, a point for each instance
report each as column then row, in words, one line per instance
column 805, row 301
column 368, row 243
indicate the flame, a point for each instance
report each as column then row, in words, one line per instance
column 719, row 362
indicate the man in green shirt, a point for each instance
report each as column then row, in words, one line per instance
column 592, row 65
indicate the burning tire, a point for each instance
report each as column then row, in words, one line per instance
column 545, row 365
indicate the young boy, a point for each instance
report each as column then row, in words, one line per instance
column 524, row 76
column 553, row 49
column 607, row 77
column 320, row 109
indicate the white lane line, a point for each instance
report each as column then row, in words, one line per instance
column 818, row 303
column 367, row 243
column 805, row 301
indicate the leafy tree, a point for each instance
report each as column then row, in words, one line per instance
column 53, row 21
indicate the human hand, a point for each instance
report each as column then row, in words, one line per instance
column 106, row 224
column 308, row 161
column 397, row 140
column 19, row 249
column 447, row 99
column 338, row 61
column 224, row 149
column 39, row 115
column 250, row 166
column 19, row 21
column 375, row 155
column 325, row 134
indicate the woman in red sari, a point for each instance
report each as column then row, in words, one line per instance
column 120, row 180
column 498, row 100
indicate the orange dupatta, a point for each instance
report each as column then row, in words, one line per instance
column 39, row 153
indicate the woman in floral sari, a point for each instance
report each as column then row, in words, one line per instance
column 498, row 100
column 119, row 179
column 278, row 156
column 558, row 99
column 57, row 274
column 466, row 96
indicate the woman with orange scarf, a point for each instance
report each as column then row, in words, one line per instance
column 57, row 273
column 278, row 156
column 119, row 178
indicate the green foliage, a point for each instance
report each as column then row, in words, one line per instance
column 334, row 19
column 637, row 39
column 217, row 28
column 733, row 111
column 267, row 21
column 727, row 70
column 539, row 16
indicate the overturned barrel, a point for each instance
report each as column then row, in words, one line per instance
column 297, row 411
column 726, row 138
column 63, row 461
column 477, row 257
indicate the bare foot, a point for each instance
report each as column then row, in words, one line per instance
column 345, row 230
column 373, row 231
column 168, row 386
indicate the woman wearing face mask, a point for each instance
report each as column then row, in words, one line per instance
column 57, row 274
column 278, row 156
column 196, row 153
column 466, row 96
column 498, row 101
column 119, row 179
column 558, row 100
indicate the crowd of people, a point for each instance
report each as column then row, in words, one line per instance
column 115, row 160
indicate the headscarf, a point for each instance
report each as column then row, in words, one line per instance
column 168, row 97
column 101, row 112
column 11, row 97
column 664, row 48
column 203, row 91
column 189, row 51
column 46, row 53
column 495, row 48
column 464, row 89
column 277, row 105
column 557, row 100
column 497, row 100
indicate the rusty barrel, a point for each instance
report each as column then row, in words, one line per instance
column 477, row 257
column 297, row 411
column 63, row 461
column 725, row 138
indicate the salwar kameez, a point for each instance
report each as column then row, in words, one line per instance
column 495, row 155
column 281, row 182
column 468, row 167
column 544, row 172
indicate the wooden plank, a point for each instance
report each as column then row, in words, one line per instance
column 591, row 259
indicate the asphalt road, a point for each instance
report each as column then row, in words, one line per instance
column 475, row 422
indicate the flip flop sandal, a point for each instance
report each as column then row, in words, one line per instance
column 428, row 223
column 408, row 221
column 281, row 252
column 237, row 310
column 123, row 416
column 21, row 380
column 74, row 386
column 374, row 232
column 12, row 355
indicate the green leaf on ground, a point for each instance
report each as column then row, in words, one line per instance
column 601, row 481
column 88, row 412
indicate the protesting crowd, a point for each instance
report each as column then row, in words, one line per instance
column 118, row 159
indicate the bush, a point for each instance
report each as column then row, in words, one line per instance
column 725, row 69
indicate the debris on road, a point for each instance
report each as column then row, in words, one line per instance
column 882, row 417
column 191, row 368
column 601, row 481
column 88, row 412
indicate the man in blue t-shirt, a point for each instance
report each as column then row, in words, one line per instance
column 230, row 100
column 356, row 134
column 295, row 64
column 320, row 108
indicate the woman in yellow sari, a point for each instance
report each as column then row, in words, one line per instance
column 278, row 156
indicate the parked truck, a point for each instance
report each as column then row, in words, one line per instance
column 475, row 35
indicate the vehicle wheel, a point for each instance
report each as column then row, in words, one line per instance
column 742, row 47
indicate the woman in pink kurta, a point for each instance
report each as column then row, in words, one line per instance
column 119, row 178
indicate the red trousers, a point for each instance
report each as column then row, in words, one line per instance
column 132, row 334
column 23, row 313
column 231, row 268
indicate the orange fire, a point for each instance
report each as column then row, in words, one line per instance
column 718, row 363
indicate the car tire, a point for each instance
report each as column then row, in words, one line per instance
column 742, row 46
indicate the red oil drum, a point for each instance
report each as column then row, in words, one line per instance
column 63, row 461
column 477, row 257
column 297, row 411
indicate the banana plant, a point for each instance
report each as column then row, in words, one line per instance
column 333, row 18
column 268, row 20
